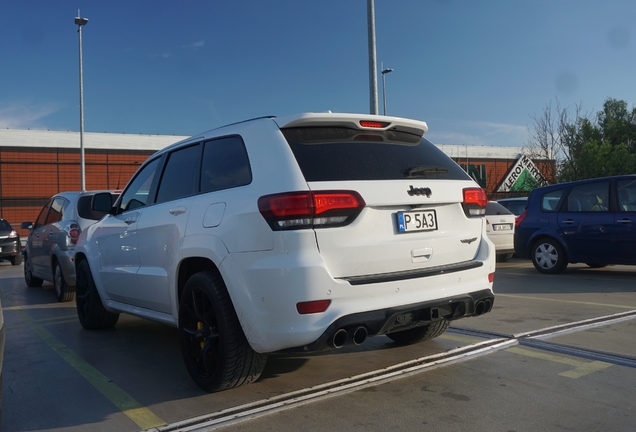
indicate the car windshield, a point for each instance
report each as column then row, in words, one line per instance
column 4, row 225
column 340, row 154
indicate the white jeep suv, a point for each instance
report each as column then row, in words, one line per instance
column 289, row 234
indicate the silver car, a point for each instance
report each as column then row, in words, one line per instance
column 49, row 252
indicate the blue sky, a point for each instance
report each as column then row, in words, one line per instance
column 475, row 71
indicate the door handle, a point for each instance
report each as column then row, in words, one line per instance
column 130, row 220
column 624, row 221
column 177, row 211
column 568, row 222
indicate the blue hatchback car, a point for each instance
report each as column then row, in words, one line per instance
column 589, row 221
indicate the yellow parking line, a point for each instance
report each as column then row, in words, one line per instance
column 566, row 301
column 580, row 368
column 142, row 416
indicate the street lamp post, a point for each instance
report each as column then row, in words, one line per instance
column 373, row 65
column 384, row 72
column 80, row 22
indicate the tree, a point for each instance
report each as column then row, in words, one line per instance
column 554, row 136
column 586, row 147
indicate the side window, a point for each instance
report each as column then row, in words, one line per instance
column 589, row 197
column 136, row 195
column 550, row 200
column 626, row 195
column 225, row 165
column 41, row 220
column 56, row 213
column 178, row 179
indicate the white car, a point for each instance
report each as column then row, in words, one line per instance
column 516, row 205
column 290, row 234
column 500, row 226
column 49, row 251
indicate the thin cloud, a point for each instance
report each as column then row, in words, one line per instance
column 500, row 128
column 20, row 115
column 197, row 44
column 480, row 134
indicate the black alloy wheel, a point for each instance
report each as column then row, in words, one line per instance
column 90, row 310
column 214, row 347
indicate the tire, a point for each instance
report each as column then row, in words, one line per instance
column 63, row 292
column 30, row 280
column 504, row 257
column 215, row 350
column 548, row 256
column 419, row 334
column 90, row 310
column 16, row 260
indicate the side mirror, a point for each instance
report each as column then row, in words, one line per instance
column 102, row 202
column 27, row 225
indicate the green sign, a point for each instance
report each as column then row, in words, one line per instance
column 522, row 177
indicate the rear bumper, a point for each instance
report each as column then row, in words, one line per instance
column 405, row 317
column 266, row 288
column 10, row 249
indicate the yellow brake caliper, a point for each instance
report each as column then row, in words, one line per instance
column 199, row 327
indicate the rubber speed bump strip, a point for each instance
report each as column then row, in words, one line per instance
column 335, row 388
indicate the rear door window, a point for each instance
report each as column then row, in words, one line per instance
column 626, row 195
column 225, row 164
column 589, row 197
column 340, row 154
column 179, row 176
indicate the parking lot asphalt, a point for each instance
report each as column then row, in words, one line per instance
column 556, row 353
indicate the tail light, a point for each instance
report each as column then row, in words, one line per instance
column 300, row 210
column 475, row 201
column 13, row 234
column 520, row 218
column 72, row 232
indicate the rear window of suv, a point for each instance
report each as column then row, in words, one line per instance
column 340, row 154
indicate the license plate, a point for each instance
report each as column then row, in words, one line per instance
column 502, row 227
column 420, row 220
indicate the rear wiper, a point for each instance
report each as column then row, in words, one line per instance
column 425, row 171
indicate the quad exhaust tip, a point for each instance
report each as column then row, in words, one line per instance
column 483, row 306
column 351, row 336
